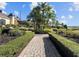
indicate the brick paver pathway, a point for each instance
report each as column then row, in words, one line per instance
column 40, row 46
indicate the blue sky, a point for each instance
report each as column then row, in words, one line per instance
column 66, row 12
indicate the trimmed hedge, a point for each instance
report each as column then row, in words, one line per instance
column 65, row 47
column 14, row 47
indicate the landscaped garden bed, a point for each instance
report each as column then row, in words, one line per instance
column 14, row 47
column 7, row 34
column 69, row 34
column 5, row 38
column 64, row 46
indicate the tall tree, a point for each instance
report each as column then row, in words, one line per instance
column 62, row 24
column 65, row 26
column 56, row 23
column 41, row 14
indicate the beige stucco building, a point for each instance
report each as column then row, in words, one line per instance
column 8, row 19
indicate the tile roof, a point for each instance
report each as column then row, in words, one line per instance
column 2, row 15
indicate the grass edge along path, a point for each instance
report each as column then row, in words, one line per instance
column 12, row 48
column 67, row 46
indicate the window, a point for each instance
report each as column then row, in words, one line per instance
column 2, row 22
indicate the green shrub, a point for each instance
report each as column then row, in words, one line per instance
column 16, row 32
column 72, row 34
column 30, row 29
column 12, row 48
column 64, row 43
column 69, row 33
column 23, row 28
column 0, row 30
column 47, row 30
column 9, row 25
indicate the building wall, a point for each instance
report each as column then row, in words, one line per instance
column 13, row 21
column 16, row 22
column 7, row 21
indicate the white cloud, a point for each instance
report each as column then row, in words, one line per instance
column 66, row 17
column 76, row 2
column 4, row 12
column 70, row 9
column 76, row 6
column 3, row 5
column 16, row 13
column 63, row 21
column 55, row 11
column 53, row 8
column 33, row 4
column 70, row 16
column 62, row 17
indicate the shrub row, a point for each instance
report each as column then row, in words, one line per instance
column 68, row 33
column 16, row 32
column 72, row 34
column 65, row 47
column 14, row 47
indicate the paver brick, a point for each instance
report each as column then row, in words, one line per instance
column 40, row 46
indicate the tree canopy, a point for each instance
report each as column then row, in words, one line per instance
column 41, row 14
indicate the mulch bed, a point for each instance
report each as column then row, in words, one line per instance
column 5, row 38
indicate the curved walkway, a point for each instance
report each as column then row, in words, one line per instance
column 40, row 46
